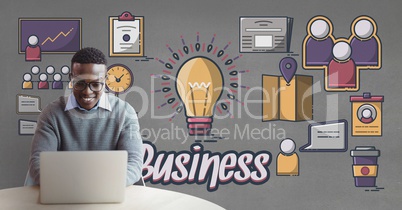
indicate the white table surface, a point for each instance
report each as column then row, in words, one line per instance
column 137, row 197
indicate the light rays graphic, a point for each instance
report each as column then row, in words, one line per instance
column 187, row 50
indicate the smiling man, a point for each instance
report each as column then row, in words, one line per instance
column 87, row 74
column 88, row 119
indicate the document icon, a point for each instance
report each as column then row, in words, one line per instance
column 265, row 34
column 126, row 37
column 27, row 104
column 26, row 127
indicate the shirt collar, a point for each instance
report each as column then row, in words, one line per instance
column 102, row 103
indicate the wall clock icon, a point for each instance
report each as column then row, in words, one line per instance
column 119, row 78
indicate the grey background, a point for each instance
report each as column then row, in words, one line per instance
column 325, row 180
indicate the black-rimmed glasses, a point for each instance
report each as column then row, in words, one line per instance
column 94, row 86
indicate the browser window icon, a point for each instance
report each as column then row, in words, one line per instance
column 265, row 34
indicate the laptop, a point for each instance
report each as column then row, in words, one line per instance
column 83, row 177
column 330, row 136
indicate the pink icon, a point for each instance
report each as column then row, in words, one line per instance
column 342, row 69
column 33, row 51
column 43, row 84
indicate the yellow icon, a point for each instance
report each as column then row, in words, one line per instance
column 199, row 85
column 367, row 115
column 119, row 78
column 287, row 161
column 27, row 85
column 291, row 101
column 287, row 165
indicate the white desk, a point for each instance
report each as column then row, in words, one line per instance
column 137, row 197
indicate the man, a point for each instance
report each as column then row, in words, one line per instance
column 88, row 119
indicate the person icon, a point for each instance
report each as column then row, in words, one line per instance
column 366, row 116
column 43, row 83
column 342, row 69
column 32, row 50
column 318, row 44
column 35, row 70
column 57, row 83
column 287, row 161
column 27, row 84
column 366, row 113
column 66, row 70
column 365, row 43
column 50, row 70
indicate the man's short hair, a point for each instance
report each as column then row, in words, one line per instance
column 89, row 55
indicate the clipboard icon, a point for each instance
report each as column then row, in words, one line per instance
column 126, row 35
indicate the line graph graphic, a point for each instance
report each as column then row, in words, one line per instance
column 55, row 38
column 55, row 35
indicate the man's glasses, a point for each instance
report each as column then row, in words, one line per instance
column 94, row 86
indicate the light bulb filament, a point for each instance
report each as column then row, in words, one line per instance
column 199, row 100
column 198, row 85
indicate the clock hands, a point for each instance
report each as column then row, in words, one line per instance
column 119, row 79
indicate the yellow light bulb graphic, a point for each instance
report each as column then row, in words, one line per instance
column 199, row 84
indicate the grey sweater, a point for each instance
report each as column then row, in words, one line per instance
column 100, row 129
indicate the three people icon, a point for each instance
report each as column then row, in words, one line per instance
column 341, row 58
column 287, row 161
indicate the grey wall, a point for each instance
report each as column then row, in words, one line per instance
column 325, row 180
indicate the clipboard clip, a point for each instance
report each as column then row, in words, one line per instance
column 126, row 16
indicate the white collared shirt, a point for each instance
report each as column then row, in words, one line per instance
column 102, row 103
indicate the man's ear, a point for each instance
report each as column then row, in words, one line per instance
column 70, row 76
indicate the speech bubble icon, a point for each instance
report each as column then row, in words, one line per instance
column 27, row 104
column 26, row 127
column 329, row 136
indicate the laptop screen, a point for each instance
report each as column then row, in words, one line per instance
column 83, row 176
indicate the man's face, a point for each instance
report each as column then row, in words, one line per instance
column 87, row 73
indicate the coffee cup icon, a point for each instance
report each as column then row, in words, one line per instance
column 365, row 167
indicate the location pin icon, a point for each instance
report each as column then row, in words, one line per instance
column 288, row 67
